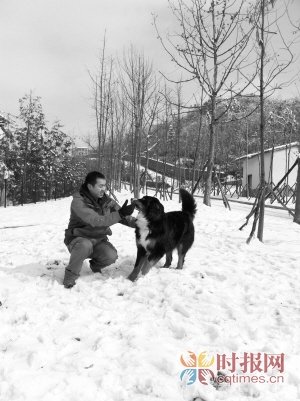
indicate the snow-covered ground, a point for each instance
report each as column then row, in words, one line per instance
column 112, row 340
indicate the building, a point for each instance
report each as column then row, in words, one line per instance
column 277, row 163
column 185, row 162
column 81, row 151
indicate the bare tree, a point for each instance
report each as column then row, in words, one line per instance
column 271, row 64
column 213, row 48
column 139, row 87
column 196, row 152
column 152, row 113
column 102, row 87
column 121, row 128
column 296, row 25
column 297, row 207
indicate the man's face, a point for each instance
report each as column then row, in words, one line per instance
column 98, row 190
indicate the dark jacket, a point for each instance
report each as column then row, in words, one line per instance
column 91, row 218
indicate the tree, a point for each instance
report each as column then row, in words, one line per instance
column 265, row 22
column 31, row 113
column 102, row 96
column 212, row 48
column 139, row 86
column 40, row 158
column 297, row 207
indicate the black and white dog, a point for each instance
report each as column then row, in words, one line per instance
column 159, row 233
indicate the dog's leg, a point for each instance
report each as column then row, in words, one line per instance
column 181, row 257
column 140, row 260
column 180, row 261
column 169, row 259
column 147, row 265
column 152, row 259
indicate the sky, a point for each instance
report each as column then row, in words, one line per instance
column 48, row 46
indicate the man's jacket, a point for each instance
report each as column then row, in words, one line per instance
column 92, row 218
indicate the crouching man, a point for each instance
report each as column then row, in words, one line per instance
column 92, row 214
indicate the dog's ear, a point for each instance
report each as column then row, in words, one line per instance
column 160, row 208
column 155, row 210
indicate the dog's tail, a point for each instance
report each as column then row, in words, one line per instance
column 188, row 203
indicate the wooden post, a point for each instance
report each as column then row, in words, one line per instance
column 199, row 178
column 282, row 179
column 225, row 200
column 282, row 203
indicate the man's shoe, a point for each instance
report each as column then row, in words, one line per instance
column 69, row 285
column 94, row 267
column 69, row 279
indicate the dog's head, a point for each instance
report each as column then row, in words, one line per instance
column 151, row 207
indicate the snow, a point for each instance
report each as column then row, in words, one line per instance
column 153, row 174
column 110, row 339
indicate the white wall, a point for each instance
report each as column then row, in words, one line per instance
column 282, row 161
column 253, row 168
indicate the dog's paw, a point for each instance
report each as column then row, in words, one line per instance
column 131, row 277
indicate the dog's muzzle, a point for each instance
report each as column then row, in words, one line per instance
column 138, row 205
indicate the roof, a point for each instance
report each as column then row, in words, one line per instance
column 276, row 148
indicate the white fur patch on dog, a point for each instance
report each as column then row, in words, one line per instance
column 142, row 224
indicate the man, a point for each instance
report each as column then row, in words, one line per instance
column 92, row 214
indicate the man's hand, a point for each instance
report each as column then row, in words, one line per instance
column 126, row 210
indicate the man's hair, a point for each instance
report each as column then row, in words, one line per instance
column 92, row 176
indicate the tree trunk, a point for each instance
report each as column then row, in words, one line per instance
column 260, row 229
column 146, row 166
column 197, row 146
column 211, row 153
column 297, row 206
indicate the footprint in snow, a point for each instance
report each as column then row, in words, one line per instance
column 179, row 308
column 219, row 277
column 55, row 264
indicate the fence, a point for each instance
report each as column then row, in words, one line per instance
column 39, row 191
